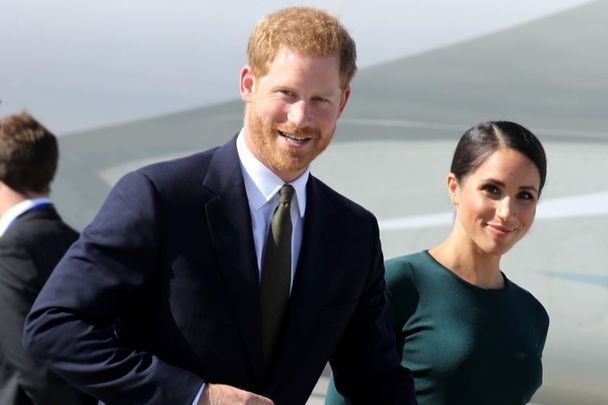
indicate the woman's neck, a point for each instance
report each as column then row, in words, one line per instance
column 469, row 263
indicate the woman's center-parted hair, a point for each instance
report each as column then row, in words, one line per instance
column 483, row 139
column 308, row 30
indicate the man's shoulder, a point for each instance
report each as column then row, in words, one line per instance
column 36, row 230
column 195, row 163
column 182, row 173
column 39, row 239
column 333, row 198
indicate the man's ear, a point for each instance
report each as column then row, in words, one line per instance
column 247, row 83
column 344, row 98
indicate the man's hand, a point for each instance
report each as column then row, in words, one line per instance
column 219, row 394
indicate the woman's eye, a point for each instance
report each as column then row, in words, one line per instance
column 491, row 189
column 524, row 195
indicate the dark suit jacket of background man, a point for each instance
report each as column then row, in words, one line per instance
column 29, row 250
column 171, row 256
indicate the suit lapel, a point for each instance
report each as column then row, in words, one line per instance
column 310, row 285
column 230, row 227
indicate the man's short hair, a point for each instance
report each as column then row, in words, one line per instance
column 28, row 154
column 308, row 30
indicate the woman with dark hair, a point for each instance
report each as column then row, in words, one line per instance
column 468, row 334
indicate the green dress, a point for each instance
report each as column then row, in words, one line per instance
column 463, row 344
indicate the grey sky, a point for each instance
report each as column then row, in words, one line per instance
column 79, row 65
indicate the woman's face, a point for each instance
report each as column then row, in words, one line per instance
column 496, row 203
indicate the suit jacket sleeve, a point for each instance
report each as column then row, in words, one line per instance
column 365, row 365
column 72, row 324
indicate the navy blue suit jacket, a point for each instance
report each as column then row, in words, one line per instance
column 161, row 293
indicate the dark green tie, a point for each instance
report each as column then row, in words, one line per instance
column 276, row 272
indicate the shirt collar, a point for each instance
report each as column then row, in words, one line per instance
column 261, row 183
column 12, row 213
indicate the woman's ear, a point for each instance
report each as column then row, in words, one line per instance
column 453, row 188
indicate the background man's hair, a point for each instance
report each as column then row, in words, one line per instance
column 28, row 154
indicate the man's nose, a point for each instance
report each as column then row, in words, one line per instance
column 299, row 114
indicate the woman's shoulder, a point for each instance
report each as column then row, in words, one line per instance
column 404, row 266
column 403, row 275
column 527, row 299
column 408, row 269
column 402, row 291
column 531, row 306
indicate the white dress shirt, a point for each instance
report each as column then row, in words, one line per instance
column 262, row 187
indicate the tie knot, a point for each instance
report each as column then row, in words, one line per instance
column 286, row 194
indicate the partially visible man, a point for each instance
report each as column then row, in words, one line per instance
column 232, row 276
column 32, row 240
